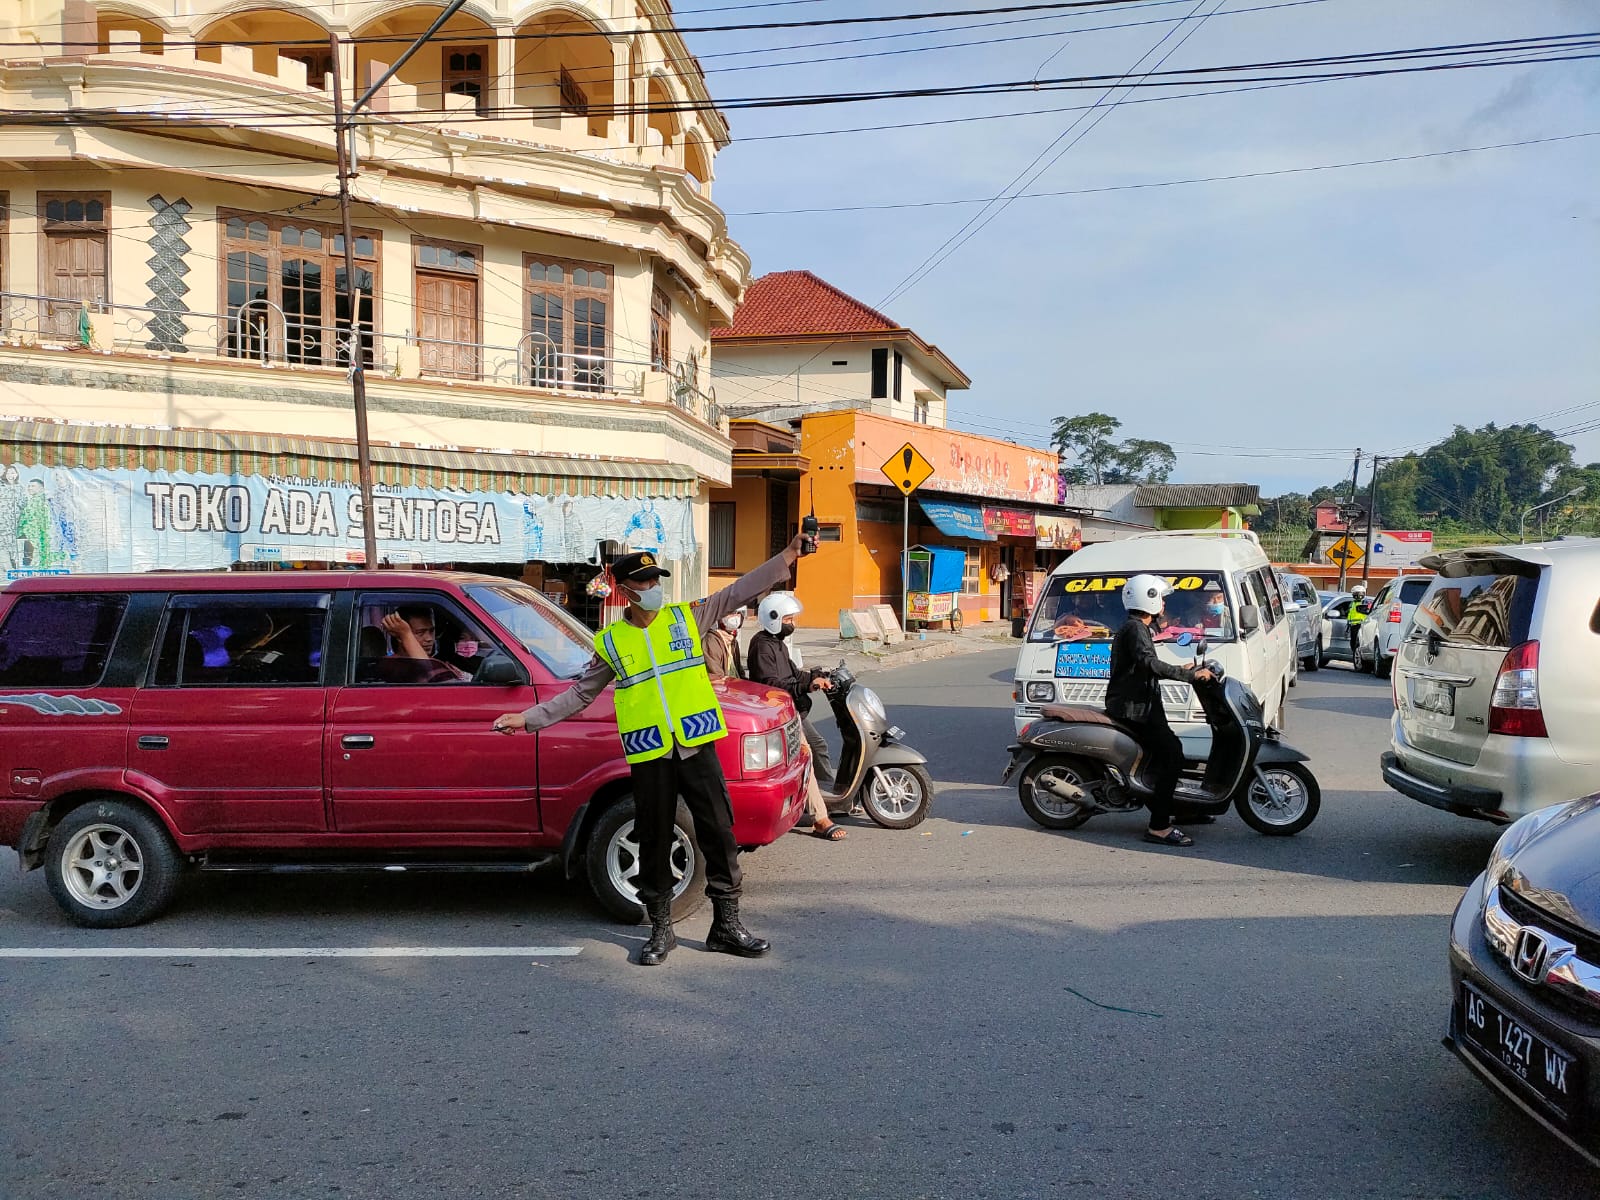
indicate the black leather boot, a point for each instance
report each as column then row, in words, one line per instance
column 662, row 939
column 730, row 936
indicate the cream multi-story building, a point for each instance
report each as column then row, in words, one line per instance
column 538, row 261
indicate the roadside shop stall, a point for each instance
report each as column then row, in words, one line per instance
column 934, row 580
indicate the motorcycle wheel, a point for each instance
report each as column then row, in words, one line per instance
column 1302, row 800
column 897, row 796
column 1048, row 810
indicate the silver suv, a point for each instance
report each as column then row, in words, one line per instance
column 1497, row 683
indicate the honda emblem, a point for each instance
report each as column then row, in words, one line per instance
column 1529, row 957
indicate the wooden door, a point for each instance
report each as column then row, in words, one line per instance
column 447, row 325
column 75, row 271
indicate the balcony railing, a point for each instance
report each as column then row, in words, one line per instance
column 262, row 335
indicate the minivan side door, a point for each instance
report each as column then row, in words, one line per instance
column 411, row 742
column 226, row 734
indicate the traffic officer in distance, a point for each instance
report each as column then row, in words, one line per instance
column 668, row 717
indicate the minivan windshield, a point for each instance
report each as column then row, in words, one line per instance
column 1088, row 608
column 556, row 639
column 1492, row 610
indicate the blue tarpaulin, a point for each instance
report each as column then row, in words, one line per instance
column 957, row 520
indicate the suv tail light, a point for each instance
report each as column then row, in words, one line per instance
column 1394, row 615
column 1514, row 709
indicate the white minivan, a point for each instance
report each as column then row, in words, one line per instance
column 1066, row 657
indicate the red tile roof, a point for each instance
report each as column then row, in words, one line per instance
column 798, row 304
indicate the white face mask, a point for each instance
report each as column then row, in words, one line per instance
column 650, row 599
column 733, row 623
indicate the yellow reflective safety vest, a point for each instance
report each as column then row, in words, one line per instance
column 663, row 693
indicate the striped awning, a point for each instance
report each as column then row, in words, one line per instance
column 205, row 451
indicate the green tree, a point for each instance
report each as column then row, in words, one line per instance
column 1090, row 442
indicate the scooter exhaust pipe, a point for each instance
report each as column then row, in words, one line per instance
column 1071, row 792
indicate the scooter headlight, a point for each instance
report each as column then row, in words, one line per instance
column 871, row 705
column 1041, row 691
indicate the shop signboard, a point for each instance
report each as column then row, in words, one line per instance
column 72, row 519
column 1009, row 522
column 1058, row 533
column 1401, row 547
column 962, row 464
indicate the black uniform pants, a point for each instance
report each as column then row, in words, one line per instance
column 657, row 784
column 1164, row 750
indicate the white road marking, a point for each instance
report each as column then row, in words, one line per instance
column 291, row 952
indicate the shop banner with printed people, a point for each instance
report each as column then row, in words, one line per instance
column 59, row 520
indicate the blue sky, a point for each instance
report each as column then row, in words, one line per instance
column 1264, row 327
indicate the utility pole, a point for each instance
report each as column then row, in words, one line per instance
column 342, row 136
column 1344, row 566
column 1372, row 520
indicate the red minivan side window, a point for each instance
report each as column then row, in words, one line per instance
column 59, row 641
column 256, row 640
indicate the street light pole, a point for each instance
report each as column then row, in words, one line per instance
column 342, row 130
column 1372, row 519
column 1344, row 562
column 1522, row 521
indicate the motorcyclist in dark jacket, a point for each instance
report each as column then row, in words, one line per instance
column 769, row 662
column 1133, row 696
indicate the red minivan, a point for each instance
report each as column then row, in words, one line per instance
column 298, row 721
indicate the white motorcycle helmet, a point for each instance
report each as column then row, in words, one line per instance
column 1145, row 594
column 775, row 608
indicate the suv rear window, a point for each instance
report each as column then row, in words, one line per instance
column 1412, row 590
column 1493, row 610
column 59, row 641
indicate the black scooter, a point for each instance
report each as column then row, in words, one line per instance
column 1077, row 762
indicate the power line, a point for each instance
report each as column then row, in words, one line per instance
column 674, row 30
column 1166, row 183
column 603, row 73
column 1568, row 52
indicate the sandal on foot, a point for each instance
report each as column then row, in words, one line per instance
column 830, row 832
column 1172, row 837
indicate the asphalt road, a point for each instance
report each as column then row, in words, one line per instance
column 976, row 1008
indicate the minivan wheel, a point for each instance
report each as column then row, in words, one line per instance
column 1296, row 806
column 1314, row 660
column 110, row 864
column 612, row 864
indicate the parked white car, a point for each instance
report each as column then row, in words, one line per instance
column 1310, row 626
column 1378, row 638
column 1497, row 683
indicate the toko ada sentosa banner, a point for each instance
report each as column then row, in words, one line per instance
column 72, row 520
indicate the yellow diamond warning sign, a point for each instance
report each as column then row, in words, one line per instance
column 1345, row 553
column 907, row 469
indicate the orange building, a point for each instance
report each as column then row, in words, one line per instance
column 994, row 500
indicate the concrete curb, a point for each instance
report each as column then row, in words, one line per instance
column 903, row 655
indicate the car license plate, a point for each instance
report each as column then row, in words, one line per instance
column 1551, row 1075
column 1434, row 702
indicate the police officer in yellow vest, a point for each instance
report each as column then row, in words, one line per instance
column 667, row 717
column 1354, row 616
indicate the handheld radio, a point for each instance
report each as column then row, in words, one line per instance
column 808, row 525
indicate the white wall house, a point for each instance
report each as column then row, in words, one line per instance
column 799, row 345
